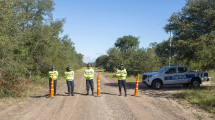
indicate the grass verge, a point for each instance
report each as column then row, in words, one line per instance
column 35, row 87
column 112, row 75
column 203, row 96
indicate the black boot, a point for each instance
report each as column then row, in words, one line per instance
column 120, row 94
column 68, row 93
column 125, row 94
column 92, row 93
column 87, row 93
column 72, row 93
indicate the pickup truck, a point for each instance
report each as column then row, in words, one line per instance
column 174, row 74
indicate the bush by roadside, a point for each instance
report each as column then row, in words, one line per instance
column 14, row 91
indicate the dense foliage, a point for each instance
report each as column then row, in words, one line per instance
column 30, row 42
column 193, row 43
column 135, row 60
column 194, row 33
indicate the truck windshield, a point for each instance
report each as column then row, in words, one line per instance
column 163, row 69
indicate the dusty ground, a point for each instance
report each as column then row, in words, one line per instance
column 150, row 105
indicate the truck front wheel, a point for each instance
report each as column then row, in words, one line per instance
column 195, row 83
column 156, row 84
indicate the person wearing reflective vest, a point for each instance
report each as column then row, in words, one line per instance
column 121, row 73
column 69, row 75
column 89, row 74
column 55, row 76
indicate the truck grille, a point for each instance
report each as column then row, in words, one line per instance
column 144, row 77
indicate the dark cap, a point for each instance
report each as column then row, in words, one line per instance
column 53, row 67
column 89, row 65
column 121, row 64
column 69, row 67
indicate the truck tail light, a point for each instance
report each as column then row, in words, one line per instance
column 207, row 74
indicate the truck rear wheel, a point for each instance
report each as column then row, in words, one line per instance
column 156, row 84
column 195, row 83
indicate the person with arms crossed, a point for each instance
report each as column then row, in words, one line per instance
column 121, row 73
column 89, row 74
column 69, row 75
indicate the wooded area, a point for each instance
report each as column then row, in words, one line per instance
column 30, row 43
column 193, row 43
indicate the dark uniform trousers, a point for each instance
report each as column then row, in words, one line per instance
column 55, row 84
column 89, row 82
column 120, row 83
column 70, row 84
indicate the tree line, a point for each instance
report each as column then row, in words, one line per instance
column 30, row 42
column 192, row 43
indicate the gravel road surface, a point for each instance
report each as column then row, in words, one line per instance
column 150, row 105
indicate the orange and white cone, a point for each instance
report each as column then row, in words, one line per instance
column 52, row 87
column 136, row 87
column 98, row 87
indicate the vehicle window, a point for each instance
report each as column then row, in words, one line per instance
column 163, row 69
column 182, row 69
column 171, row 71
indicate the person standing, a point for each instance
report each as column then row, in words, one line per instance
column 55, row 76
column 89, row 74
column 121, row 73
column 69, row 75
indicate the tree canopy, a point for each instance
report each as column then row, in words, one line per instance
column 126, row 42
column 191, row 28
column 30, row 42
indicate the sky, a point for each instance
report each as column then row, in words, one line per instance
column 95, row 25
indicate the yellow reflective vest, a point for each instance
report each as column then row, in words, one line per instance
column 89, row 72
column 121, row 72
column 54, row 73
column 69, row 75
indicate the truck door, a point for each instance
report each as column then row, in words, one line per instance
column 170, row 76
column 183, row 75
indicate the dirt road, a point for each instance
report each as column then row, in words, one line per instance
column 151, row 105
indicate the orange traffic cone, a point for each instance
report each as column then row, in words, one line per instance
column 98, row 85
column 136, row 87
column 52, row 87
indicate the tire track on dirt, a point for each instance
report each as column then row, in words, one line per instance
column 145, row 107
column 44, row 107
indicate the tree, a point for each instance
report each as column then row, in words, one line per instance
column 197, row 18
column 114, row 59
column 101, row 61
column 126, row 42
column 30, row 43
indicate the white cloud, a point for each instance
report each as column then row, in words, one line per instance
column 88, row 58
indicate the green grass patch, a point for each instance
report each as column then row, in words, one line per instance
column 12, row 92
column 211, row 73
column 112, row 75
column 203, row 97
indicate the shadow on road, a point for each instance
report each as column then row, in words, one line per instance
column 167, row 91
column 40, row 96
column 107, row 93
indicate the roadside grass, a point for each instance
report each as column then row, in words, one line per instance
column 112, row 75
column 37, row 86
column 203, row 96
